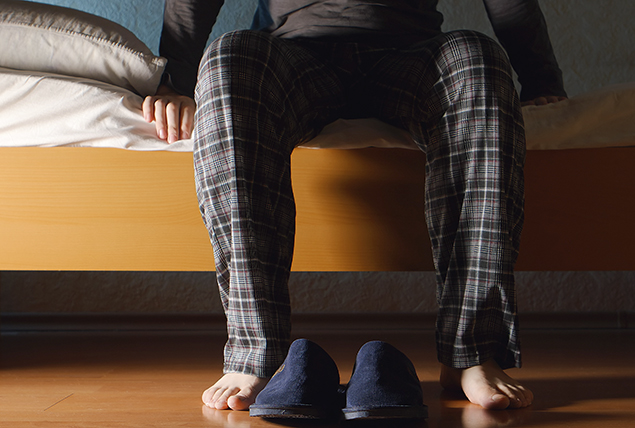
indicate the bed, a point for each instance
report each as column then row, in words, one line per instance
column 85, row 184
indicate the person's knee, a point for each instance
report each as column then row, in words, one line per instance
column 242, row 41
column 239, row 45
column 467, row 48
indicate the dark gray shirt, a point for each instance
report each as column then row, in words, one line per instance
column 519, row 26
column 378, row 19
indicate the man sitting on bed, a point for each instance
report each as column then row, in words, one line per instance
column 306, row 63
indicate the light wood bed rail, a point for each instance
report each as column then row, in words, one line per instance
column 358, row 210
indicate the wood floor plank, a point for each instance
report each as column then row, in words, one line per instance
column 581, row 379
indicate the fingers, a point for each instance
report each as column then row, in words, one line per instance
column 179, row 120
column 187, row 120
column 160, row 118
column 542, row 101
column 173, row 116
column 148, row 109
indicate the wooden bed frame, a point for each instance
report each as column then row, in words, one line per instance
column 358, row 210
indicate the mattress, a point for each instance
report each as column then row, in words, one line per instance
column 39, row 109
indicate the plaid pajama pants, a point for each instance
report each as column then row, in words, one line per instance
column 259, row 96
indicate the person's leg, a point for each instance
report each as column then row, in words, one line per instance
column 456, row 95
column 257, row 98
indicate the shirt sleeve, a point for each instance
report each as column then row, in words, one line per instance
column 186, row 28
column 521, row 28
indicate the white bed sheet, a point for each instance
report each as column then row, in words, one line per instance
column 48, row 110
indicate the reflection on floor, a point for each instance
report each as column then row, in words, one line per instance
column 581, row 378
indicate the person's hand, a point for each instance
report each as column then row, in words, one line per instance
column 172, row 113
column 543, row 101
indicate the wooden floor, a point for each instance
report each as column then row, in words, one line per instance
column 581, row 378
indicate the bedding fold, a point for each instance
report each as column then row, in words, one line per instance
column 49, row 110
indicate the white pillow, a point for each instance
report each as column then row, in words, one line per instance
column 43, row 38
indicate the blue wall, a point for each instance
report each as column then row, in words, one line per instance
column 592, row 40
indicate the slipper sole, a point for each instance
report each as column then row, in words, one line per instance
column 291, row 412
column 394, row 412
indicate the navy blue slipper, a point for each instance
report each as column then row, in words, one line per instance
column 305, row 386
column 384, row 385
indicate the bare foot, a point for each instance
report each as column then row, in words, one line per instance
column 488, row 386
column 234, row 391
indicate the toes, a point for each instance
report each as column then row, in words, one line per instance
column 239, row 402
column 518, row 396
column 241, row 399
column 529, row 397
column 516, row 403
column 499, row 395
column 208, row 396
column 488, row 386
column 497, row 401
column 233, row 391
column 222, row 397
column 216, row 397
